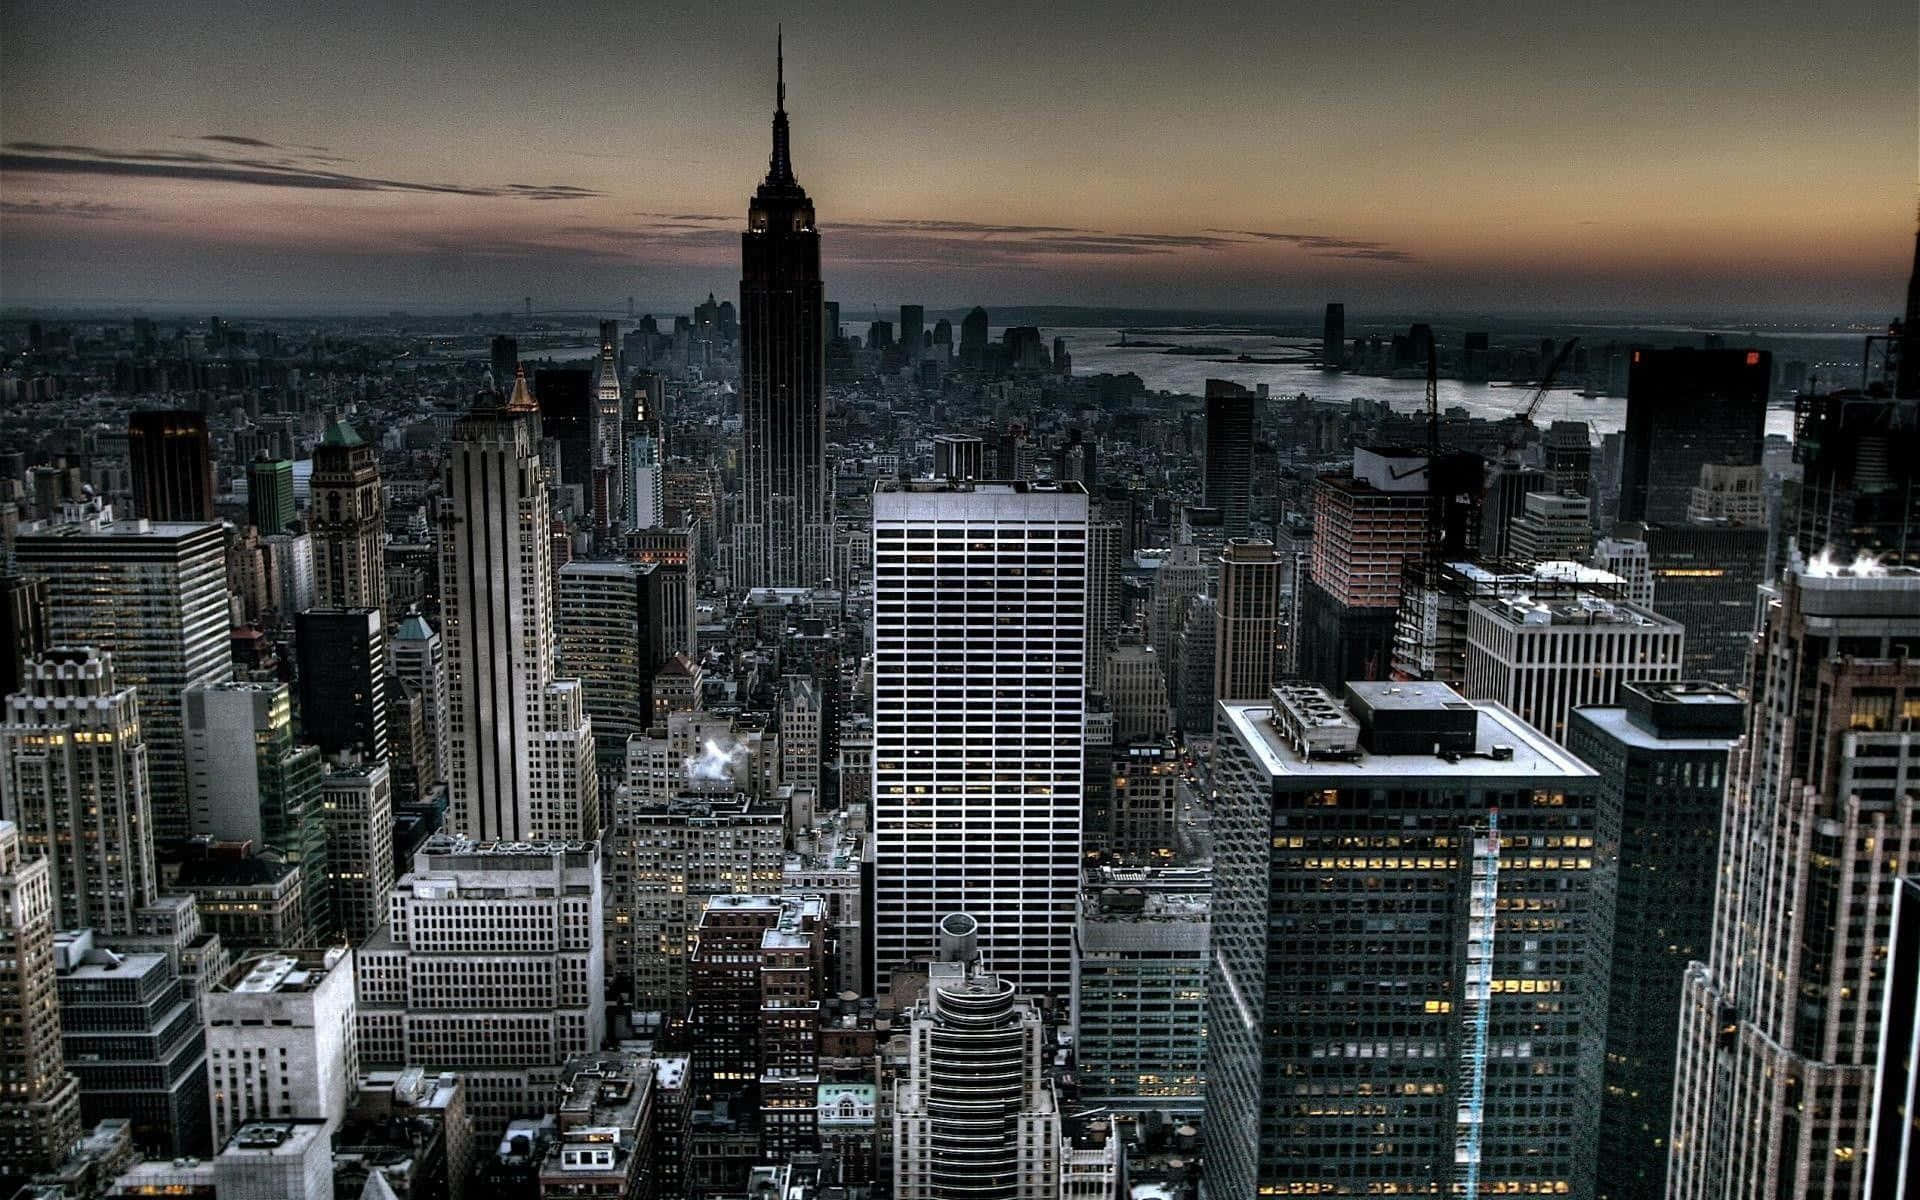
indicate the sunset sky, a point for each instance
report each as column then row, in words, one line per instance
column 1490, row 156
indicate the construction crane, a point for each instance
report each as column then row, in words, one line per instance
column 1532, row 405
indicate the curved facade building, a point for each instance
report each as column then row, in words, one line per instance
column 975, row 1119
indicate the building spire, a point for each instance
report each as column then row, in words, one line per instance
column 780, row 166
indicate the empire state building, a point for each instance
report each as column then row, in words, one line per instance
column 785, row 533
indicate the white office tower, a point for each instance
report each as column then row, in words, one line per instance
column 491, row 965
column 646, row 474
column 608, row 443
column 521, row 744
column 280, row 1039
column 154, row 595
column 73, row 777
column 1627, row 558
column 1543, row 659
column 417, row 657
column 979, row 693
column 1780, row 1028
column 975, row 1114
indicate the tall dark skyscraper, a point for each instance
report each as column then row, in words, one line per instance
column 1229, row 467
column 1662, row 757
column 172, row 460
column 973, row 339
column 343, row 680
column 1687, row 408
column 913, row 326
column 786, row 524
column 1907, row 380
column 505, row 359
column 1333, row 337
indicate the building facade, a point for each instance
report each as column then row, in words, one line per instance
column 520, row 764
column 346, row 515
column 73, row 780
column 1780, row 1026
column 979, row 703
column 1409, row 940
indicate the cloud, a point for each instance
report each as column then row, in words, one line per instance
column 958, row 227
column 234, row 139
column 1325, row 245
column 682, row 216
column 85, row 210
column 296, row 171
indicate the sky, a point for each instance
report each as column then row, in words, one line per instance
column 1497, row 156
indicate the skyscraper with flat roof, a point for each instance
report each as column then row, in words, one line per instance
column 172, row 460
column 1687, row 408
column 1333, row 337
column 154, row 596
column 979, row 694
column 1247, row 620
column 1662, row 757
column 73, row 778
column 342, row 654
column 1409, row 936
column 1228, row 470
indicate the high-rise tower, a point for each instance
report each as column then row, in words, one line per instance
column 172, row 459
column 1228, row 479
column 980, row 643
column 786, row 520
column 521, row 747
column 73, row 778
column 40, row 1104
column 1780, row 1027
column 347, row 519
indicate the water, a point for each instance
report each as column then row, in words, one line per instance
column 1095, row 354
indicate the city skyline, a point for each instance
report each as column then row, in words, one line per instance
column 1510, row 159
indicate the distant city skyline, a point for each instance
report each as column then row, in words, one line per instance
column 1625, row 157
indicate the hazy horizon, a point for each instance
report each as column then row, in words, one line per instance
column 1628, row 157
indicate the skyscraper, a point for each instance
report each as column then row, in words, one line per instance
column 270, row 506
column 343, row 680
column 172, row 460
column 1688, row 408
column 252, row 783
column 419, row 661
column 1333, row 337
column 609, row 639
column 1780, row 1027
column 1662, row 757
column 1544, row 658
column 979, row 643
column 786, row 521
column 913, row 329
column 347, row 519
column 1247, row 620
column 1859, row 486
column 521, row 762
column 1367, row 525
column 504, row 357
column 974, row 1113
column 73, row 779
column 1228, row 478
column 1893, row 1154
column 154, row 596
column 973, row 340
column 491, row 965
column 1435, row 1043
column 610, row 475
column 40, row 1104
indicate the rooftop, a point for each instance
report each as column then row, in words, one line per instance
column 1504, row 745
column 295, row 971
column 1583, row 610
